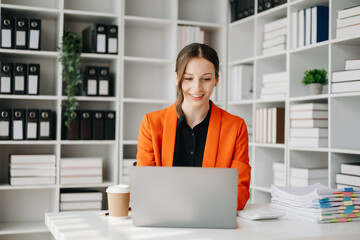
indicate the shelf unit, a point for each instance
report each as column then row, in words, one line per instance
column 330, row 55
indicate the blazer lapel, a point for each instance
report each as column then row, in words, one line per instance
column 212, row 139
column 169, row 137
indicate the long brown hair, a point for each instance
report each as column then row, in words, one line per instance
column 188, row 52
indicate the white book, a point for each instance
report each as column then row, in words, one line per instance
column 22, row 181
column 309, row 132
column 265, row 124
column 32, row 166
column 82, row 195
column 275, row 33
column 347, row 21
column 81, row 171
column 308, row 26
column 350, row 168
column 295, row 29
column 241, row 84
column 32, row 172
column 348, row 179
column 352, row 64
column 279, row 166
column 261, row 128
column 301, row 40
column 81, row 180
column 340, row 87
column 80, row 162
column 309, row 173
column 309, row 142
column 349, row 12
column 342, row 76
column 74, row 206
column 279, row 182
column 271, row 26
column 32, row 158
column 276, row 77
column 274, row 41
column 257, row 127
column 309, row 106
column 308, row 123
column 274, row 49
column 309, row 114
column 348, row 31
column 303, row 182
column 269, row 125
column 278, row 96
column 282, row 84
column 281, row 175
column 273, row 90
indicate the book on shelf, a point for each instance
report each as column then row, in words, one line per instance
column 343, row 186
column 295, row 28
column 309, row 132
column 83, row 171
column 308, row 123
column 81, row 179
column 273, row 25
column 315, row 142
column 279, row 175
column 308, row 27
column 319, row 24
column 81, row 162
column 348, row 30
column 268, row 89
column 32, row 172
column 32, row 158
column 301, row 31
column 343, row 76
column 76, row 206
column 274, row 41
column 274, row 49
column 241, row 82
column 276, row 77
column 309, row 106
column 278, row 125
column 303, row 182
column 277, row 166
column 278, row 96
column 348, row 179
column 350, row 168
column 32, row 165
column 26, row 181
column 352, row 64
column 346, row 22
column 309, row 173
column 342, row 87
column 276, row 33
column 279, row 182
column 79, row 195
column 348, row 12
column 309, row 114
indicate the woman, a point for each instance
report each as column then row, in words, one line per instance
column 193, row 131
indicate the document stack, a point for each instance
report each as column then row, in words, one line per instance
column 274, row 86
column 32, row 169
column 279, row 174
column 348, row 80
column 349, row 175
column 348, row 22
column 275, row 34
column 318, row 203
column 302, row 177
column 80, row 200
column 81, row 170
column 190, row 34
column 309, row 125
column 241, row 82
column 269, row 125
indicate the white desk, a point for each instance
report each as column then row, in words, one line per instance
column 92, row 225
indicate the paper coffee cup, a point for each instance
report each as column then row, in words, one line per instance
column 118, row 200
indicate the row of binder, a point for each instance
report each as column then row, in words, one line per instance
column 100, row 38
column 20, row 33
column 96, row 82
column 26, row 124
column 267, row 4
column 91, row 125
column 19, row 78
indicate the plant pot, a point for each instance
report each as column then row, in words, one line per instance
column 315, row 88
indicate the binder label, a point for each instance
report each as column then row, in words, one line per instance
column 6, row 38
column 34, row 39
column 31, row 130
column 20, row 38
column 4, row 129
column 44, row 129
column 33, row 84
column 104, row 87
column 5, row 85
column 18, row 129
column 112, row 45
column 19, row 83
column 101, row 43
column 91, row 87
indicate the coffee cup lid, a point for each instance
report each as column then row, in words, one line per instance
column 122, row 188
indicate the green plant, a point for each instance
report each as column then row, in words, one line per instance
column 315, row 76
column 71, row 74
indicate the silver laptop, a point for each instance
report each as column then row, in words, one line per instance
column 190, row 197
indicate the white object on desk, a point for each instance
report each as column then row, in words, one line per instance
column 259, row 214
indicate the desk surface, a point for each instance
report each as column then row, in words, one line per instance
column 91, row 225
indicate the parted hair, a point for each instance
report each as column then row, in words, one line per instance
column 188, row 52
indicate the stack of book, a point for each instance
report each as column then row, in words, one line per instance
column 127, row 164
column 241, row 82
column 309, row 125
column 269, row 125
column 318, row 203
column 32, row 169
column 274, row 85
column 348, row 22
column 311, row 25
column 279, row 174
column 80, row 199
column 349, row 175
column 302, row 177
column 189, row 34
column 275, row 34
column 348, row 80
column 81, row 170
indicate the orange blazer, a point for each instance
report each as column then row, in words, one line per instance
column 226, row 144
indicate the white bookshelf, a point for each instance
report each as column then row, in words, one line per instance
column 343, row 108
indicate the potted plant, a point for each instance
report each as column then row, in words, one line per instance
column 71, row 74
column 315, row 79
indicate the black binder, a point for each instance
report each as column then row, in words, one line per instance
column 90, row 81
column 260, row 6
column 268, row 4
column 233, row 9
column 104, row 83
column 21, row 33
column 72, row 133
column 5, row 123
column 45, row 124
column 86, row 125
column 20, row 78
column 18, row 124
column 7, row 32
column 240, row 9
column 251, row 7
column 94, row 38
column 112, row 41
column 32, row 124
column 98, row 126
column 33, row 80
column 246, row 8
column 110, row 120
column 6, row 78
column 34, row 34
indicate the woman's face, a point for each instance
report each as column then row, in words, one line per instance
column 198, row 82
